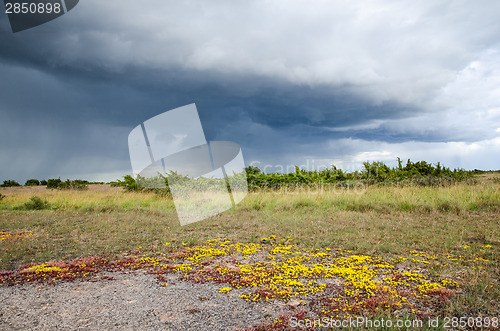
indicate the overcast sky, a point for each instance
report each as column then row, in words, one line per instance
column 293, row 82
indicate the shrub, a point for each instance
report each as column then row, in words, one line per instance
column 128, row 183
column 36, row 203
column 77, row 184
column 32, row 182
column 10, row 183
column 43, row 182
column 158, row 185
column 54, row 183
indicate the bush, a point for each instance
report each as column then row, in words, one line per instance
column 32, row 182
column 10, row 183
column 76, row 184
column 36, row 203
column 54, row 183
column 158, row 185
column 43, row 182
column 128, row 183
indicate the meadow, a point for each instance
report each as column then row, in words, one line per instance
column 446, row 234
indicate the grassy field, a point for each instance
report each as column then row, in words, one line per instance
column 405, row 225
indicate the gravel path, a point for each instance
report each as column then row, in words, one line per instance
column 129, row 301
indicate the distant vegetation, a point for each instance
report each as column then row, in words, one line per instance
column 418, row 173
column 54, row 183
column 373, row 173
column 9, row 183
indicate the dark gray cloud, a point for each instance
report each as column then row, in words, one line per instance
column 284, row 80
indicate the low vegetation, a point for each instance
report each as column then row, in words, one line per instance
column 418, row 173
column 35, row 203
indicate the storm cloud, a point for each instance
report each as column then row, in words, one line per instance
column 290, row 81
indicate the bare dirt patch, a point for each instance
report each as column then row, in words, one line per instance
column 129, row 301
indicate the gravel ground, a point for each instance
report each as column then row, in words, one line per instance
column 129, row 301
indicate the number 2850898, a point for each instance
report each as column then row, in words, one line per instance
column 32, row 8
